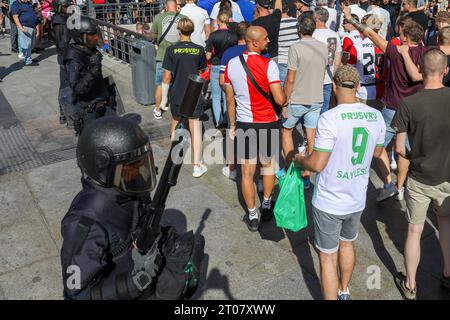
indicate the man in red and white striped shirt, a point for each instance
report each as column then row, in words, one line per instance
column 351, row 39
column 253, row 120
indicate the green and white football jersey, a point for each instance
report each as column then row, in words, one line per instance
column 350, row 132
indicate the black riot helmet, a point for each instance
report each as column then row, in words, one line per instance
column 58, row 4
column 116, row 153
column 80, row 26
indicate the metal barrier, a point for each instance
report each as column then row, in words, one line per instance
column 118, row 41
column 125, row 13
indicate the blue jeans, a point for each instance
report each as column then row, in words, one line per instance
column 388, row 115
column 283, row 72
column 159, row 73
column 26, row 41
column 219, row 108
column 326, row 97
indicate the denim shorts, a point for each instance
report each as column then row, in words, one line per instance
column 159, row 73
column 309, row 113
column 329, row 229
column 388, row 114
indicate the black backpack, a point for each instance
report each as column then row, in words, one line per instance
column 183, row 257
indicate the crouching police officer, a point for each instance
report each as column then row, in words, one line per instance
column 61, row 36
column 98, row 258
column 114, row 214
column 89, row 96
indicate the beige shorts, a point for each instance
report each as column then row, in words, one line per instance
column 418, row 199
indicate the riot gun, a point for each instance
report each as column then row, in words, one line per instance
column 189, row 107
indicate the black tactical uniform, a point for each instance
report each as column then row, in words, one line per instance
column 89, row 96
column 61, row 36
column 97, row 258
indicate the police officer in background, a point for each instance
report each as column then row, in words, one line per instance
column 118, row 173
column 88, row 95
column 61, row 36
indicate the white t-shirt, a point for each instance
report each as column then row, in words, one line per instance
column 368, row 57
column 200, row 18
column 384, row 17
column 333, row 43
column 350, row 132
column 355, row 9
column 332, row 18
column 215, row 10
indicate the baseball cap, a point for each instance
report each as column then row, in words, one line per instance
column 347, row 77
column 264, row 3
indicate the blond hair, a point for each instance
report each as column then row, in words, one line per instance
column 185, row 26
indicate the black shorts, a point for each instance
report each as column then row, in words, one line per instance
column 175, row 111
column 255, row 140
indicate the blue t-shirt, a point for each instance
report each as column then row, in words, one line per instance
column 207, row 5
column 231, row 53
column 247, row 9
column 27, row 16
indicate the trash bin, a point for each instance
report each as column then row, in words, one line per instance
column 142, row 58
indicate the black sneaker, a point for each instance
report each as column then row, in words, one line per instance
column 267, row 214
column 253, row 224
column 445, row 283
column 62, row 119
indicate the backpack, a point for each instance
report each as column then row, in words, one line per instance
column 183, row 257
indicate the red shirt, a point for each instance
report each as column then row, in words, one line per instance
column 251, row 106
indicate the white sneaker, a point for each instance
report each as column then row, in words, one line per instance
column 20, row 55
column 157, row 114
column 199, row 171
column 401, row 194
column 230, row 174
column 393, row 164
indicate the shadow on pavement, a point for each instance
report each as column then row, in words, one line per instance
column 16, row 66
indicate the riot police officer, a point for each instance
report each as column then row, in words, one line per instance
column 97, row 257
column 89, row 96
column 61, row 36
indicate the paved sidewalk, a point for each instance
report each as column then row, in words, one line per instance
column 39, row 178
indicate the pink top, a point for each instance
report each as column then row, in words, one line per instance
column 46, row 8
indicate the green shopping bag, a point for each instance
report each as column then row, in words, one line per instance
column 290, row 208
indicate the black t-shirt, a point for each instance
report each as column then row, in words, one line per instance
column 272, row 25
column 421, row 18
column 218, row 42
column 183, row 59
column 425, row 116
column 447, row 77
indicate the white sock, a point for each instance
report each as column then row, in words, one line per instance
column 344, row 292
column 266, row 203
column 164, row 95
column 252, row 213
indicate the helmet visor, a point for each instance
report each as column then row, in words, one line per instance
column 137, row 176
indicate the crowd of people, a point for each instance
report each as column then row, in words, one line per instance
column 366, row 79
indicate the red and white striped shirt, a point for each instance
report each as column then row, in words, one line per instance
column 251, row 106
